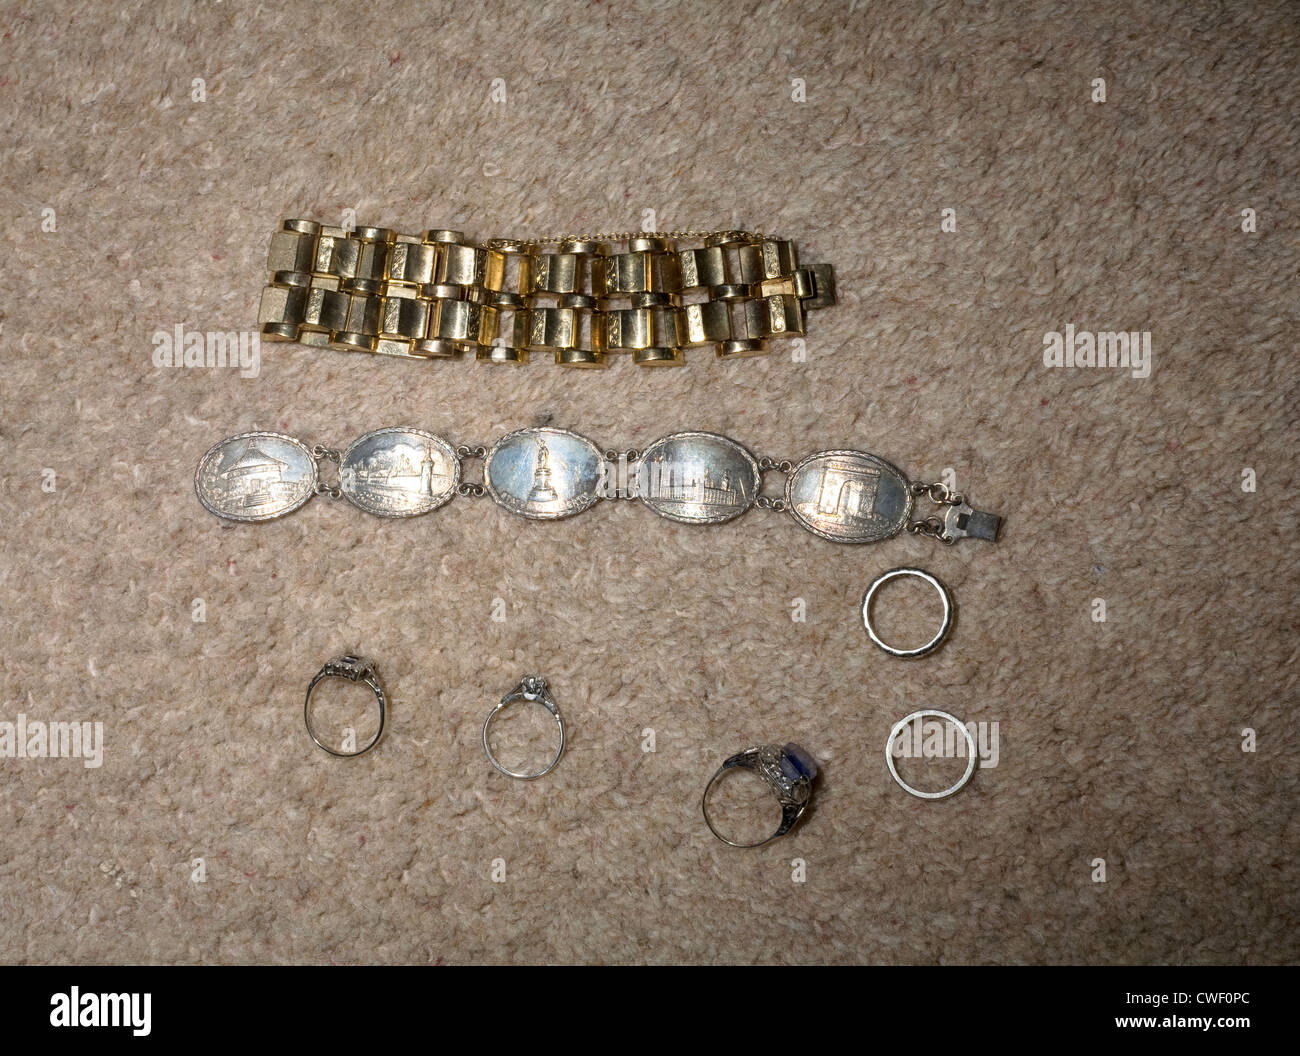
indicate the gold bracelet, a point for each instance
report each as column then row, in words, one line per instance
column 440, row 294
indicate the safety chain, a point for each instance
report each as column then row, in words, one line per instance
column 783, row 466
column 933, row 526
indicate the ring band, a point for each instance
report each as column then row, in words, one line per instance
column 970, row 753
column 789, row 769
column 533, row 690
column 354, row 669
column 948, row 609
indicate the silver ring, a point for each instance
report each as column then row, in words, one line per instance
column 789, row 769
column 970, row 753
column 354, row 669
column 533, row 690
column 945, row 597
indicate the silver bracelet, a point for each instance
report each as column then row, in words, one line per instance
column 549, row 473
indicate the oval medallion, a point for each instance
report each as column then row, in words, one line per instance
column 543, row 473
column 255, row 477
column 399, row 472
column 849, row 496
column 697, row 478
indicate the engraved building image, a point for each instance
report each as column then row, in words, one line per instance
column 254, row 478
column 671, row 482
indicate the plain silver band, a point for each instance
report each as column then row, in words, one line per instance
column 944, row 596
column 369, row 680
column 745, row 761
column 901, row 724
column 544, row 700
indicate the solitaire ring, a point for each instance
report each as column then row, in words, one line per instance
column 533, row 690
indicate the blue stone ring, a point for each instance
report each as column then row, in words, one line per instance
column 789, row 769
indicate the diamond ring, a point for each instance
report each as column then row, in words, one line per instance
column 532, row 689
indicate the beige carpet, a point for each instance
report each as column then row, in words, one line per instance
column 1119, row 740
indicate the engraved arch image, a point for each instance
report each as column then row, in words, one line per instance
column 847, row 493
column 849, row 496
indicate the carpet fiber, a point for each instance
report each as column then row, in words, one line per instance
column 1124, row 821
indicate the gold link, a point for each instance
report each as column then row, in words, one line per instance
column 361, row 331
column 281, row 312
column 456, row 321
column 782, row 317
column 372, row 255
column 502, row 354
column 404, row 317
column 573, row 277
column 702, row 268
column 746, row 330
column 461, row 265
column 293, row 248
column 552, row 328
column 411, row 261
column 706, row 323
column 497, row 350
column 506, row 275
column 779, row 258
column 634, row 329
column 580, row 358
column 574, row 334
column 647, row 267
column 434, row 348
column 326, row 310
column 659, row 357
column 336, row 254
